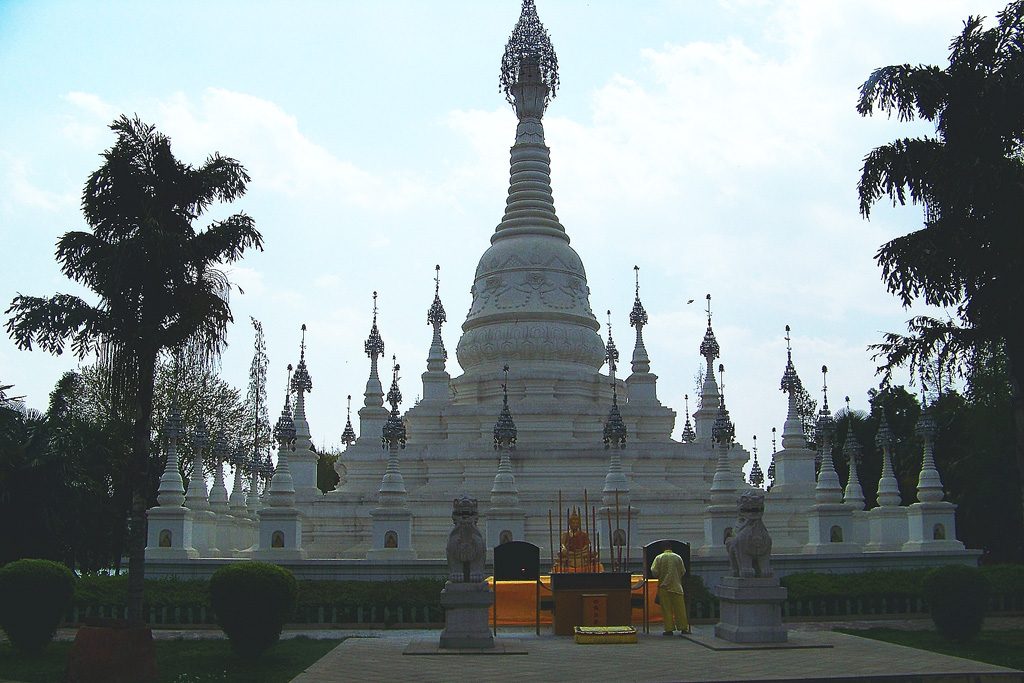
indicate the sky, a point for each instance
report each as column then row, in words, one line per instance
column 713, row 144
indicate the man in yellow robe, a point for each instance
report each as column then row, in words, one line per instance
column 669, row 569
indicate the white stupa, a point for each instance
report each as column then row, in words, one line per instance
column 530, row 347
column 530, row 311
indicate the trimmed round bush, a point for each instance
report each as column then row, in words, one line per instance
column 34, row 594
column 957, row 598
column 252, row 601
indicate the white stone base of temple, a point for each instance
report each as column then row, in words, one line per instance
column 932, row 526
column 204, row 533
column 280, row 534
column 717, row 518
column 170, row 534
column 510, row 522
column 392, row 534
column 831, row 529
column 887, row 529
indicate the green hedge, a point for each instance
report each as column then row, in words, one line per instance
column 810, row 594
column 888, row 592
column 253, row 625
column 188, row 601
column 702, row 602
column 33, row 595
column 958, row 599
column 1007, row 579
column 896, row 583
column 96, row 590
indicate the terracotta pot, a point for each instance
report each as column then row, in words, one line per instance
column 112, row 651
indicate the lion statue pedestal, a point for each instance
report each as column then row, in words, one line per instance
column 751, row 599
column 466, row 597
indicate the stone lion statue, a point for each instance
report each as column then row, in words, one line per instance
column 466, row 550
column 749, row 544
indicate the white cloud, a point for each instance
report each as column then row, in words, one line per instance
column 329, row 281
column 248, row 279
column 278, row 156
column 89, row 131
column 20, row 190
column 93, row 104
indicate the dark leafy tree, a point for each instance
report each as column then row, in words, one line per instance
column 974, row 454
column 154, row 276
column 257, row 438
column 969, row 177
column 64, row 490
column 200, row 392
column 901, row 411
column 807, row 409
column 326, row 476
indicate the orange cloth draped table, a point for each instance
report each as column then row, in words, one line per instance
column 517, row 602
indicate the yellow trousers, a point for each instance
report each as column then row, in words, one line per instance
column 673, row 611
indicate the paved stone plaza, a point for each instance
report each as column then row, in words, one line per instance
column 812, row 655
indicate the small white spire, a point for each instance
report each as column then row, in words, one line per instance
column 853, row 496
column 172, row 488
column 709, row 394
column 218, row 492
column 828, row 490
column 197, row 496
column 374, row 347
column 348, row 437
column 392, row 491
column 638, row 319
column 929, row 485
column 724, row 485
column 281, row 492
column 688, row 435
column 888, row 487
column 504, row 492
column 436, row 379
column 236, row 502
column 793, row 430
column 756, row 475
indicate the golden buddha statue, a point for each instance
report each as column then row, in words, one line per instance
column 575, row 553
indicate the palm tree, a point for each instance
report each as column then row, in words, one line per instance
column 969, row 177
column 154, row 275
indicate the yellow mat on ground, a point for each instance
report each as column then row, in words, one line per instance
column 517, row 602
column 604, row 635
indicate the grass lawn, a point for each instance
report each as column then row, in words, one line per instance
column 1002, row 648
column 182, row 661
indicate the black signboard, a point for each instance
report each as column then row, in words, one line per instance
column 517, row 561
